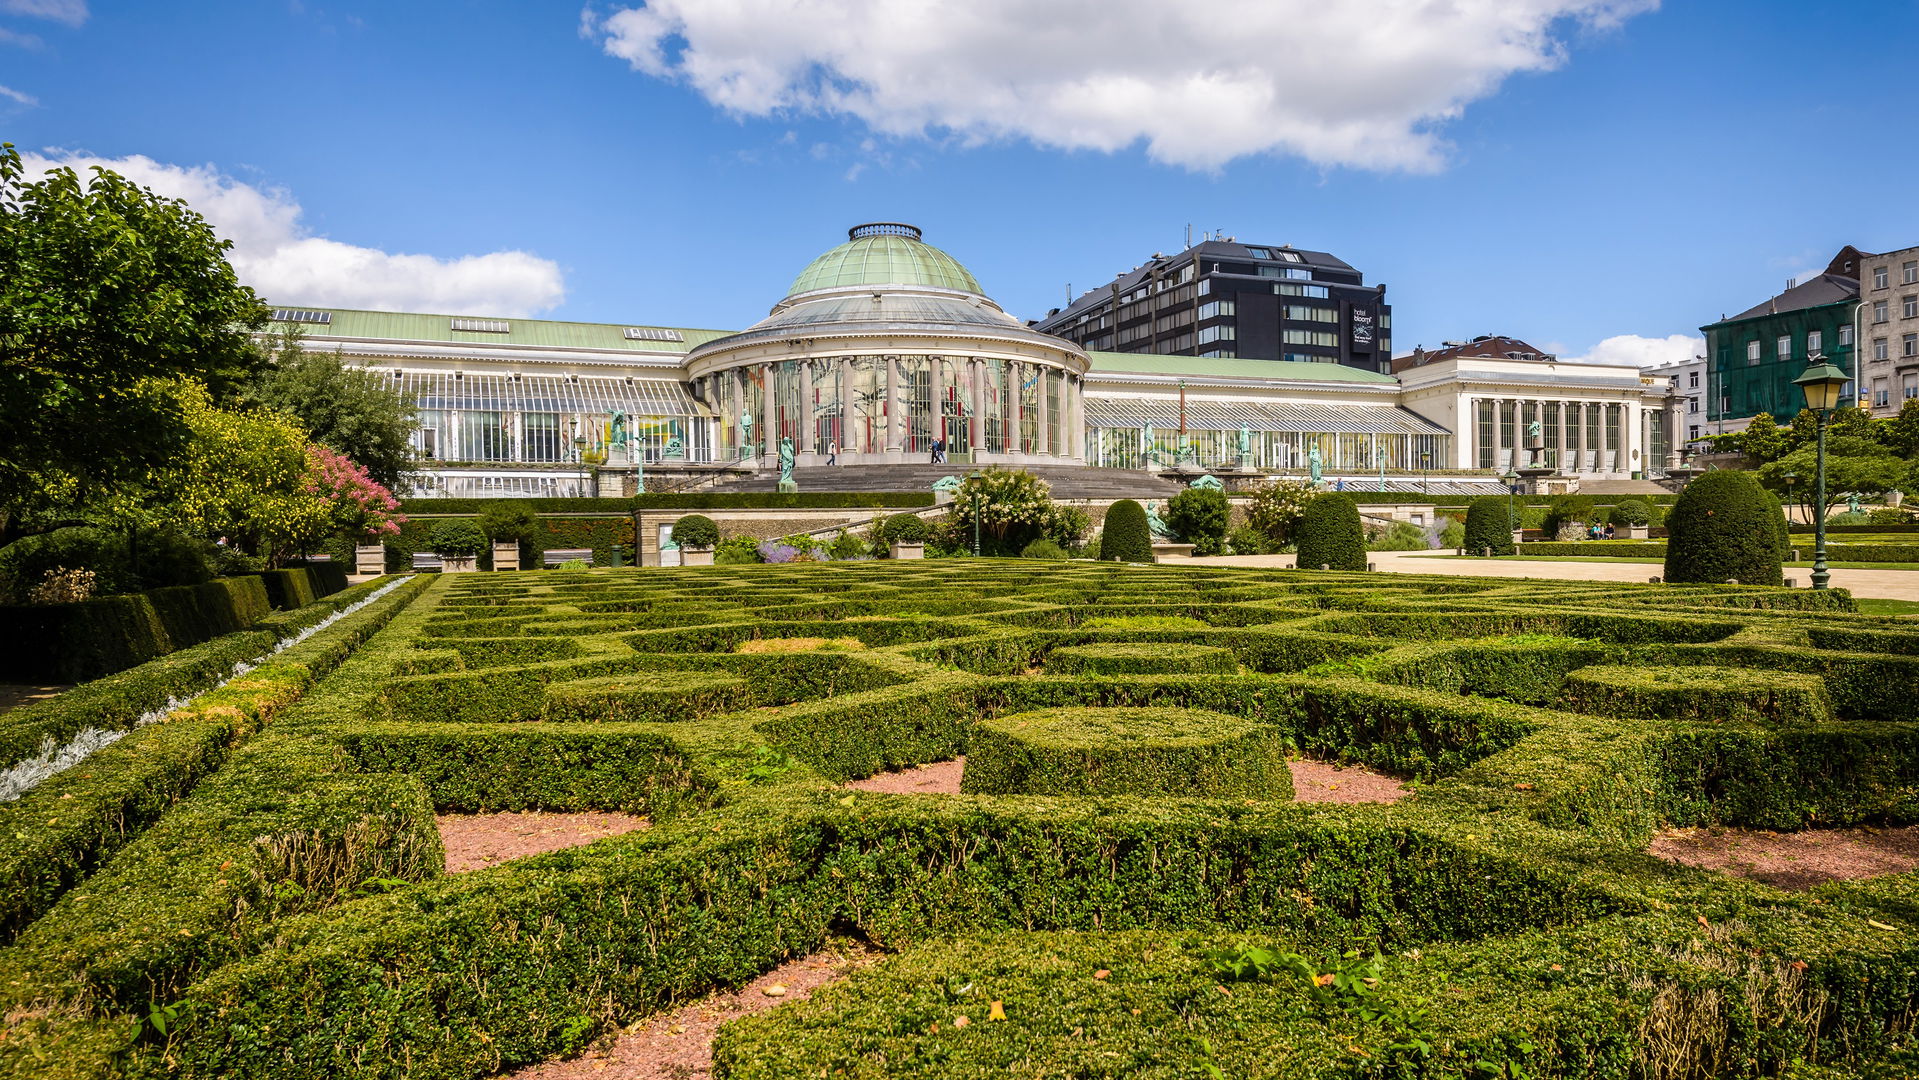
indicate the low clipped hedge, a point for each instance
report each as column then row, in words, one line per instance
column 63, row 643
column 1141, row 659
column 1126, row 751
column 1124, row 535
column 1700, row 693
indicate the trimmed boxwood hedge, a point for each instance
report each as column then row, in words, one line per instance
column 61, row 643
column 1329, row 534
column 292, row 910
column 1141, row 659
column 1124, row 536
column 1127, row 751
column 1489, row 526
column 1724, row 527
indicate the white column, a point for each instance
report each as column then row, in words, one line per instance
column 894, row 428
column 809, row 430
column 1041, row 443
column 977, row 422
column 1565, row 431
column 770, row 410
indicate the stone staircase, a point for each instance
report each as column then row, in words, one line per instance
column 1067, row 481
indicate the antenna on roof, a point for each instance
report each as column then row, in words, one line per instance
column 1189, row 234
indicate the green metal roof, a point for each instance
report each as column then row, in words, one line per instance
column 1228, row 368
column 885, row 260
column 549, row 333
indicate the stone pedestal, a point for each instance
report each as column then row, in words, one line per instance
column 451, row 565
column 696, row 556
column 506, row 556
column 369, row 559
column 909, row 551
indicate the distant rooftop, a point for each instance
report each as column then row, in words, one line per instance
column 1810, row 293
column 1118, row 363
column 1483, row 347
column 323, row 323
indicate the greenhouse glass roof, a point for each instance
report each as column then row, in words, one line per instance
column 885, row 258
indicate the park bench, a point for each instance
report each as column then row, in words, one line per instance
column 555, row 556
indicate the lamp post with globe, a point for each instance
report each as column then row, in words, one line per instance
column 1823, row 382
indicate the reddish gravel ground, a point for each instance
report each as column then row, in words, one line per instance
column 476, row 841
column 1795, row 860
column 679, row 1045
column 1313, row 781
column 1321, row 781
column 14, row 695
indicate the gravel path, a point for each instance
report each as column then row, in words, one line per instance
column 679, row 1045
column 476, row 841
column 1313, row 781
column 1794, row 860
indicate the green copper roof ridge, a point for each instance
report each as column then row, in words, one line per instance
column 884, row 260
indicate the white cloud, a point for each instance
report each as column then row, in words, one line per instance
column 24, row 41
column 1634, row 351
column 17, row 97
column 1357, row 84
column 71, row 12
column 281, row 259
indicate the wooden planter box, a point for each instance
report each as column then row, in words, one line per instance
column 506, row 556
column 696, row 556
column 369, row 559
column 909, row 551
column 463, row 565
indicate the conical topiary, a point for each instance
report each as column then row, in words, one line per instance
column 1125, row 537
column 1489, row 525
column 1723, row 527
column 1329, row 534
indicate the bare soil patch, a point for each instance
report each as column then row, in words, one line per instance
column 1313, row 781
column 476, row 841
column 1325, row 782
column 939, row 778
column 1793, row 860
column 14, row 695
column 679, row 1045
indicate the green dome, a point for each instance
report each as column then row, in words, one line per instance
column 885, row 253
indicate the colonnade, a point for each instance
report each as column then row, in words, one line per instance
column 1591, row 438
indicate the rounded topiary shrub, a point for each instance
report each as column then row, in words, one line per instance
column 458, row 539
column 1709, row 694
column 1329, row 535
column 1488, row 526
column 904, row 529
column 1142, row 658
column 1125, row 537
column 696, row 531
column 1108, row 751
column 1042, row 549
column 1724, row 526
column 1200, row 517
column 1632, row 512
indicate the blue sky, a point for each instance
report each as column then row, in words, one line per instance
column 1573, row 172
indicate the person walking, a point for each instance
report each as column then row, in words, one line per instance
column 832, row 453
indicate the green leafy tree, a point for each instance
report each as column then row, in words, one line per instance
column 1840, row 423
column 1724, row 526
column 696, row 530
column 1275, row 508
column 459, row 538
column 1489, row 525
column 1900, row 433
column 1762, row 440
column 351, row 410
column 108, row 293
column 1200, row 517
column 1854, row 465
column 1329, row 534
column 1015, row 508
column 1124, row 536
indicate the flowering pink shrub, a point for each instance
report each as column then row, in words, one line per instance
column 361, row 506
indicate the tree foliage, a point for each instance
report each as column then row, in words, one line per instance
column 1200, row 517
column 1015, row 508
column 108, row 293
column 1489, row 524
column 1763, row 440
column 351, row 410
column 1724, row 526
column 359, row 507
column 1275, row 508
column 1900, row 433
column 1329, row 534
column 1853, row 465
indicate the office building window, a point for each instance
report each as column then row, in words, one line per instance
column 1317, row 292
column 1784, row 347
column 1878, row 277
column 1909, row 308
column 1226, row 353
column 1210, row 334
column 1909, row 385
column 1878, row 311
column 1909, row 345
column 1815, row 340
column 1692, row 405
column 1909, row 272
column 1215, row 308
column 1692, row 431
column 1880, row 395
column 1879, row 349
column 1308, row 358
column 1205, row 286
column 1304, row 313
column 1752, row 352
column 1310, row 337
column 1692, row 380
column 1845, row 334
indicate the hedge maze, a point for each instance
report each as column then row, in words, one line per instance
column 1124, row 886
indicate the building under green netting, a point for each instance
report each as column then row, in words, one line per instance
column 1752, row 357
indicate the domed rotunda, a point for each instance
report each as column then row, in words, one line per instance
column 885, row 349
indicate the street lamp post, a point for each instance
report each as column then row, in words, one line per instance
column 1822, row 382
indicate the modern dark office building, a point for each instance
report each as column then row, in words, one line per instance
column 1222, row 298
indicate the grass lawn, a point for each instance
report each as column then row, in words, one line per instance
column 1872, row 606
column 1802, row 564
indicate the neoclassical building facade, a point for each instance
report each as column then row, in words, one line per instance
column 885, row 348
